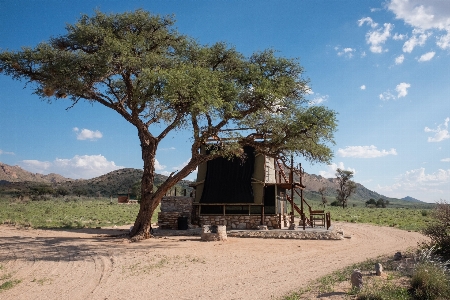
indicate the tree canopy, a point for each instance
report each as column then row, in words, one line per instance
column 159, row 80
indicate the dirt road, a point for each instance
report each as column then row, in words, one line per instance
column 87, row 264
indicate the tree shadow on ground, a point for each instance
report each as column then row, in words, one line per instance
column 73, row 247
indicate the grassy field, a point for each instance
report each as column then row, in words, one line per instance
column 80, row 212
column 408, row 217
column 72, row 212
column 403, row 218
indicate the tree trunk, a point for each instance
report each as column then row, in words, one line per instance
column 142, row 225
column 149, row 199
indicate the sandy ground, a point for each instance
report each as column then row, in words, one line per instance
column 89, row 264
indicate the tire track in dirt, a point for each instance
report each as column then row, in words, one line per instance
column 83, row 265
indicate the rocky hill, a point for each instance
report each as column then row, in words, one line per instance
column 14, row 179
column 315, row 182
column 17, row 174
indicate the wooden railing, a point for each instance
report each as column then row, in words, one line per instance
column 318, row 216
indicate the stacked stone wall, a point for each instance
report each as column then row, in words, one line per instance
column 240, row 221
column 173, row 207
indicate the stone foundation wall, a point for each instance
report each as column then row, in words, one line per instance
column 173, row 207
column 289, row 234
column 240, row 221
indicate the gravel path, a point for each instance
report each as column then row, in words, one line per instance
column 89, row 264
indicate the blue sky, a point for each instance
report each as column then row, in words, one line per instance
column 382, row 65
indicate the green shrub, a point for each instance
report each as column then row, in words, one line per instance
column 9, row 284
column 439, row 230
column 429, row 281
column 383, row 291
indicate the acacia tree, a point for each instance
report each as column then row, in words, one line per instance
column 322, row 193
column 346, row 186
column 158, row 80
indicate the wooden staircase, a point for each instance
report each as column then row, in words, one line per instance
column 316, row 217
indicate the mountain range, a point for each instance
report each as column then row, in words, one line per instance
column 126, row 181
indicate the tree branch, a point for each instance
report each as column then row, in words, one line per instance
column 171, row 126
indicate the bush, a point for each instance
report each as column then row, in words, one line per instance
column 429, row 278
column 429, row 281
column 439, row 230
column 383, row 291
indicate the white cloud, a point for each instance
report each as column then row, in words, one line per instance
column 318, row 99
column 331, row 170
column 427, row 187
column 378, row 37
column 162, row 169
column 445, row 159
column 399, row 37
column 441, row 132
column 36, row 166
column 399, row 59
column 86, row 134
column 80, row 166
column 402, row 89
column 419, row 176
column 365, row 152
column 367, row 20
column 346, row 52
column 387, row 96
column 444, row 41
column 427, row 56
column 425, row 15
column 363, row 87
column 181, row 166
column 158, row 166
column 6, row 152
column 430, row 14
column 415, row 40
column 167, row 149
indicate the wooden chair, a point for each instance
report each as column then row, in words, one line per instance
column 317, row 217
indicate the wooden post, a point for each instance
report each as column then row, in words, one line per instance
column 328, row 220
column 301, row 198
column 291, row 179
column 301, row 209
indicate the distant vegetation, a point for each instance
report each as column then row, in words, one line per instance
column 53, row 201
column 403, row 218
column 69, row 212
column 398, row 213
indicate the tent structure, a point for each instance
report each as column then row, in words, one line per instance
column 251, row 191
